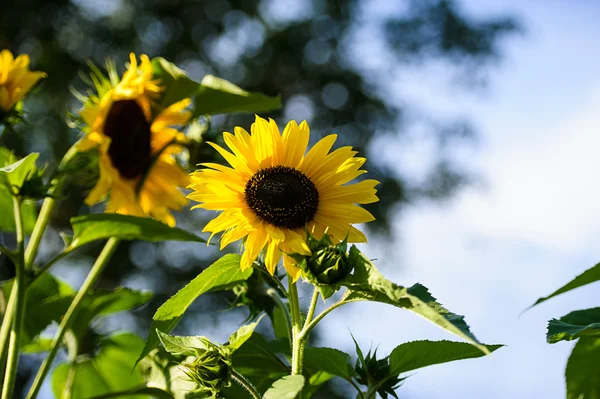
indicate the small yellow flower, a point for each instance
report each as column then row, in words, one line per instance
column 274, row 191
column 15, row 79
column 136, row 150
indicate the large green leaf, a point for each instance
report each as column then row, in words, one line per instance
column 574, row 325
column 589, row 276
column 414, row 355
column 287, row 387
column 222, row 274
column 583, row 370
column 175, row 82
column 218, row 96
column 256, row 361
column 102, row 226
column 368, row 284
column 330, row 360
column 110, row 370
column 14, row 175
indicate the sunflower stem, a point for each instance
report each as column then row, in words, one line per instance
column 245, row 383
column 297, row 339
column 46, row 211
column 90, row 280
column 19, row 286
column 5, row 329
column 311, row 309
column 313, row 323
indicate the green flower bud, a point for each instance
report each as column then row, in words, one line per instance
column 329, row 265
column 371, row 371
column 211, row 370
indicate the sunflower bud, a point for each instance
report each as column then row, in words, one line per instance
column 329, row 265
column 211, row 370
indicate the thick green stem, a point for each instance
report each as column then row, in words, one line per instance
column 297, row 341
column 247, row 385
column 19, row 286
column 91, row 279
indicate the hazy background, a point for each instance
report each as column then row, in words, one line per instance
column 477, row 116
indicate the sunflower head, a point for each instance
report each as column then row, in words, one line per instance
column 137, row 142
column 274, row 191
column 16, row 80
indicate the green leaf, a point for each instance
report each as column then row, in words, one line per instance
column 583, row 370
column 256, row 361
column 37, row 345
column 574, row 325
column 47, row 301
column 243, row 333
column 14, row 175
column 368, row 284
column 218, row 96
column 7, row 221
column 103, row 303
column 183, row 345
column 589, row 276
column 175, row 82
column 330, row 360
column 107, row 372
column 314, row 383
column 414, row 355
column 102, row 226
column 280, row 324
column 100, row 303
column 221, row 275
column 287, row 387
column 144, row 390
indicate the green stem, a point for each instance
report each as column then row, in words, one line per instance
column 19, row 286
column 90, row 280
column 247, row 385
column 272, row 292
column 5, row 329
column 51, row 262
column 311, row 308
column 68, row 389
column 46, row 211
column 312, row 324
column 297, row 341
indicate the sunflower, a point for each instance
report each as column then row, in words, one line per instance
column 15, row 79
column 273, row 192
column 136, row 149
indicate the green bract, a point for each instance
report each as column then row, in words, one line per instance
column 211, row 369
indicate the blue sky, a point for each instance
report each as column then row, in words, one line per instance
column 530, row 227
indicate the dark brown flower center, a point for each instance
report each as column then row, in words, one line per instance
column 129, row 150
column 282, row 196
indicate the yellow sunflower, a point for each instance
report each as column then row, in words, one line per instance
column 15, row 79
column 136, row 150
column 274, row 191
